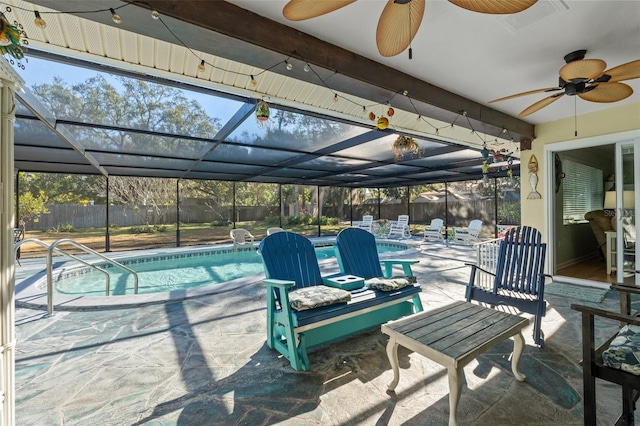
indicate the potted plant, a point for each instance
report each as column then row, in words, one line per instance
column 404, row 145
column 262, row 111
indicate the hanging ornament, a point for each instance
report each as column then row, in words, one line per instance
column 485, row 167
column 383, row 123
column 262, row 111
column 484, row 152
column 10, row 39
column 510, row 173
column 404, row 145
column 372, row 116
column 390, row 112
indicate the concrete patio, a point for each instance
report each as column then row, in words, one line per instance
column 204, row 361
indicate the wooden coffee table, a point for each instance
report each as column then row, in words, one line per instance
column 452, row 336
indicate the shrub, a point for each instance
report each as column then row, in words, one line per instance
column 271, row 220
column 220, row 223
column 303, row 219
column 325, row 220
column 148, row 229
column 65, row 227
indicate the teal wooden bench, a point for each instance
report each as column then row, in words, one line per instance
column 357, row 254
column 290, row 264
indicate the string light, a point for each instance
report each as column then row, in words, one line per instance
column 115, row 17
column 40, row 23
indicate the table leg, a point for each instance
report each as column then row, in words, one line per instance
column 518, row 346
column 455, row 389
column 392, row 354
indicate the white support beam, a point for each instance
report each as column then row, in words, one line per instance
column 9, row 83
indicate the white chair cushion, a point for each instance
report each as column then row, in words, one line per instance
column 315, row 296
column 389, row 284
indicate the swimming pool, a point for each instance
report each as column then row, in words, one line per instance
column 183, row 270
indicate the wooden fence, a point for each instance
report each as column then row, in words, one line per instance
column 458, row 213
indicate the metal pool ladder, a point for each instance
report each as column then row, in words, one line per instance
column 54, row 248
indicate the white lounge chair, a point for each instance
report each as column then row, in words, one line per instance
column 274, row 230
column 400, row 228
column 366, row 223
column 241, row 237
column 434, row 231
column 470, row 234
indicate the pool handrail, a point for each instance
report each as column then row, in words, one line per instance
column 53, row 247
column 95, row 253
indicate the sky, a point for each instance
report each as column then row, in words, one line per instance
column 39, row 71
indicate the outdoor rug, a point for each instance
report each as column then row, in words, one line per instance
column 587, row 294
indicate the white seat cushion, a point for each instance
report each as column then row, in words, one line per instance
column 315, row 296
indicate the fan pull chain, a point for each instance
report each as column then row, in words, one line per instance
column 575, row 116
column 410, row 49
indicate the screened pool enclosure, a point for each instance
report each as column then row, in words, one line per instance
column 111, row 151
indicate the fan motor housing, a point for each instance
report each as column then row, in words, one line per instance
column 573, row 89
column 575, row 56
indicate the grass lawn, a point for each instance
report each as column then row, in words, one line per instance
column 126, row 238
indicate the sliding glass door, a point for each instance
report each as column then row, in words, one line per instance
column 626, row 186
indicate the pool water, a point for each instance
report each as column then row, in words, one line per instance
column 174, row 273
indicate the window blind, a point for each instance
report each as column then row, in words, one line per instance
column 582, row 190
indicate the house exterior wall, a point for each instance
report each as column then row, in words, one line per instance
column 612, row 120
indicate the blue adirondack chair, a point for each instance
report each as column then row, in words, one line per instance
column 519, row 277
column 290, row 263
column 357, row 255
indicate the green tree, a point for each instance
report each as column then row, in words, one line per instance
column 62, row 188
column 133, row 104
column 32, row 207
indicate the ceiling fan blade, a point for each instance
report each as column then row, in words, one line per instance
column 607, row 92
column 540, row 104
column 398, row 25
column 496, row 7
column 299, row 10
column 582, row 70
column 530, row 92
column 626, row 71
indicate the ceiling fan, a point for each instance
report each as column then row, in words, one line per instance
column 588, row 79
column 400, row 19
